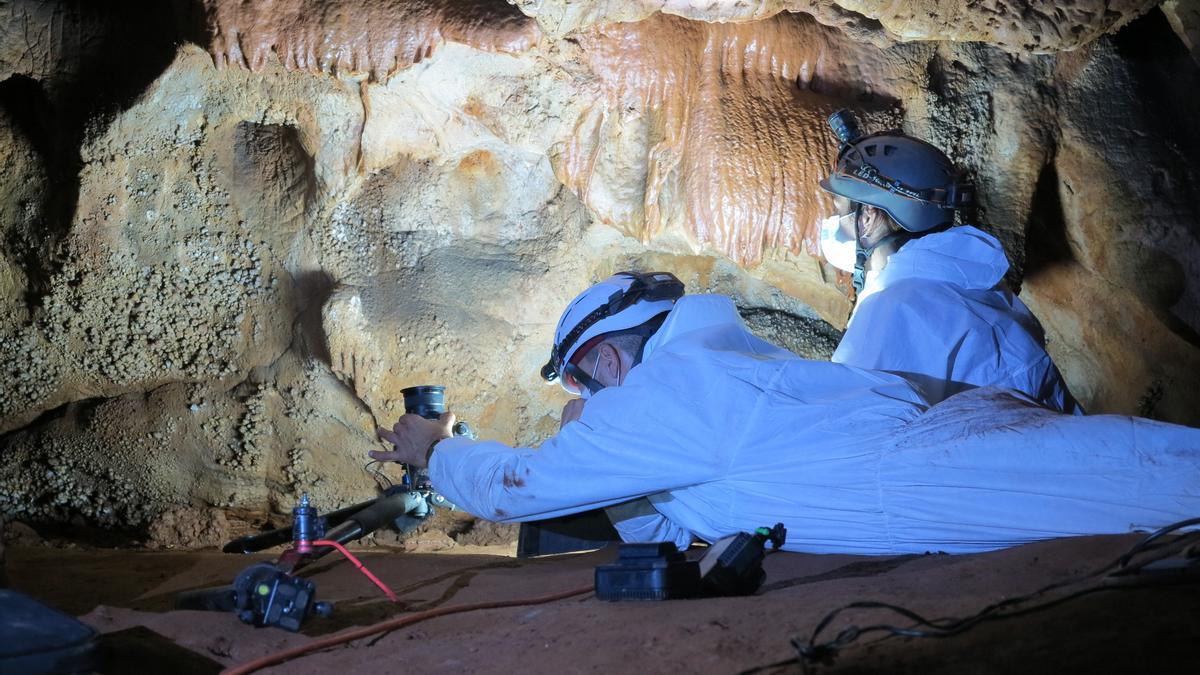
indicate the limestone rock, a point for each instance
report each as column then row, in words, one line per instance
column 1037, row 26
column 190, row 527
column 1022, row 26
column 486, row 533
column 1113, row 270
column 717, row 131
column 1185, row 19
column 375, row 37
column 17, row 533
column 23, row 185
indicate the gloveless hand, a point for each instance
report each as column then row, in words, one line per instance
column 413, row 438
column 571, row 411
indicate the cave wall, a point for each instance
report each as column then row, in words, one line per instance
column 232, row 235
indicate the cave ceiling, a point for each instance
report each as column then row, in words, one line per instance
column 1025, row 26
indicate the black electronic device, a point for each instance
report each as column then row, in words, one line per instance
column 269, row 593
column 648, row 572
column 659, row 571
column 429, row 401
column 265, row 596
column 733, row 565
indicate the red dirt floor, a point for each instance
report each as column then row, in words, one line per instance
column 127, row 595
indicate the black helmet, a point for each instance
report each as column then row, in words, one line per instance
column 914, row 182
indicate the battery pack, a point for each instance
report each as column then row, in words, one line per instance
column 656, row 571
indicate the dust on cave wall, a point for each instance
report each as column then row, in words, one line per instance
column 232, row 236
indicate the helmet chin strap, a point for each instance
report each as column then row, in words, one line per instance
column 862, row 254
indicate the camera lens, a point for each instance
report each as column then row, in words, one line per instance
column 428, row 401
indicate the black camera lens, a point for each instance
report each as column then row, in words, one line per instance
column 844, row 126
column 428, row 401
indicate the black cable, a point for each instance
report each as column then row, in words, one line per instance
column 1143, row 544
column 811, row 651
column 381, row 479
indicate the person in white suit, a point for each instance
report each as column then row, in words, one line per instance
column 932, row 304
column 689, row 427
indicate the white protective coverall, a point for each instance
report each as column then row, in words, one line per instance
column 718, row 432
column 939, row 315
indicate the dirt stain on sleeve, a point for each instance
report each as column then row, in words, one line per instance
column 511, row 480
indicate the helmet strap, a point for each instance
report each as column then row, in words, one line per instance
column 654, row 286
column 862, row 254
column 646, row 331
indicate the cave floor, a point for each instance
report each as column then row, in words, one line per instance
column 127, row 595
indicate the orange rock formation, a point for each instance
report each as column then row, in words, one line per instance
column 728, row 127
column 377, row 37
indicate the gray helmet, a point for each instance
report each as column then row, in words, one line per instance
column 914, row 182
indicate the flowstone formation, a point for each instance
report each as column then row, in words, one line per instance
column 221, row 267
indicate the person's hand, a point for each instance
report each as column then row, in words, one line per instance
column 413, row 438
column 571, row 411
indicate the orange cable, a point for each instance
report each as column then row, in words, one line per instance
column 361, row 567
column 390, row 625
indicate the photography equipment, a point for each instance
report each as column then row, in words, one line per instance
column 659, row 571
column 428, row 401
column 733, row 565
column 349, row 523
column 269, row 594
column 648, row 572
column 306, row 526
column 265, row 596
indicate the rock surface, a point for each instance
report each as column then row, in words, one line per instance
column 1019, row 26
column 376, row 37
column 1185, row 19
column 217, row 282
column 1129, row 630
column 192, row 527
column 716, row 132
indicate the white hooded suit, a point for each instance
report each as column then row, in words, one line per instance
column 717, row 432
column 939, row 315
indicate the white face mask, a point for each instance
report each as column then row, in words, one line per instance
column 837, row 248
